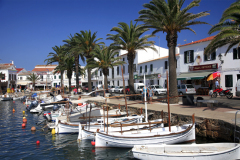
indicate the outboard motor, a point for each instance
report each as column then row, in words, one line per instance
column 47, row 115
column 55, row 107
column 32, row 105
column 35, row 103
column 23, row 98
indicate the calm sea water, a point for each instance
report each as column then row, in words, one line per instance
column 19, row 143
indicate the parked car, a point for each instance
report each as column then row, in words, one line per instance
column 138, row 87
column 119, row 90
column 186, row 89
column 159, row 90
column 111, row 89
column 127, row 89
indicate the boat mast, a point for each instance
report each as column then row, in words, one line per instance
column 124, row 90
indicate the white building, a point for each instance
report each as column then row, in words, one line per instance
column 149, row 62
column 9, row 76
column 196, row 67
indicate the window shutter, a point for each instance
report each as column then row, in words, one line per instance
column 140, row 69
column 213, row 56
column 192, row 56
column 166, row 67
column 238, row 53
column 185, row 57
column 234, row 53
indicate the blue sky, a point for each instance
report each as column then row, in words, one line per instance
column 30, row 28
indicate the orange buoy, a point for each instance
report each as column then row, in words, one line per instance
column 93, row 143
column 23, row 125
column 23, row 102
column 13, row 101
column 33, row 128
column 13, row 110
column 25, row 120
column 27, row 105
column 38, row 142
column 79, row 104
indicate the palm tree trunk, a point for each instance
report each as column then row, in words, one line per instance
column 89, row 80
column 105, row 72
column 172, row 43
column 131, row 80
column 70, row 84
column 0, row 85
column 76, row 69
column 62, row 79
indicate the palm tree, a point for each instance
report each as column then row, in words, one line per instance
column 104, row 59
column 129, row 38
column 33, row 77
column 73, row 46
column 228, row 28
column 59, row 57
column 69, row 66
column 171, row 18
column 87, row 43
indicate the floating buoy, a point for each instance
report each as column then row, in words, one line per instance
column 93, row 143
column 38, row 142
column 13, row 110
column 53, row 131
column 23, row 125
column 23, row 112
column 33, row 128
column 13, row 101
column 25, row 120
column 27, row 105
column 23, row 102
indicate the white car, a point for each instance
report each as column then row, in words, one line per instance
column 158, row 90
column 111, row 89
column 186, row 89
column 119, row 90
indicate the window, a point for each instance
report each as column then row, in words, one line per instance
column 59, row 77
column 15, row 77
column 228, row 81
column 140, row 69
column 123, row 69
column 134, row 67
column 151, row 67
column 3, row 76
column 118, row 83
column 118, row 55
column 166, row 65
column 10, row 77
column 236, row 53
column 158, row 82
column 145, row 68
column 112, row 72
column 123, row 59
column 113, row 82
column 20, row 78
column 210, row 57
column 188, row 56
column 54, row 78
column 100, row 73
column 118, row 70
column 151, row 82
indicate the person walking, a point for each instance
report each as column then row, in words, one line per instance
column 151, row 94
column 216, row 84
column 144, row 90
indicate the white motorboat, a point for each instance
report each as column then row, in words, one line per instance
column 210, row 151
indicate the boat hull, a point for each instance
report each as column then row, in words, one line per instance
column 136, row 138
column 164, row 152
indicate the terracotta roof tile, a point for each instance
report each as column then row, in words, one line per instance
column 42, row 69
column 19, row 69
column 199, row 41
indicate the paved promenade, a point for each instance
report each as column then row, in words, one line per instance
column 225, row 110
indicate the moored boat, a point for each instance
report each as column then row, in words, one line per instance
column 210, row 151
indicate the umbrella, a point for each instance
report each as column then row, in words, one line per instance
column 213, row 76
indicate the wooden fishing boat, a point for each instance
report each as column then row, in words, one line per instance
column 210, row 151
column 155, row 136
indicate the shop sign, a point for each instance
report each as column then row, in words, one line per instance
column 203, row 67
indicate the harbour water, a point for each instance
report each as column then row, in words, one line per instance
column 20, row 143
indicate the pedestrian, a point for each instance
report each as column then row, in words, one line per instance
column 144, row 90
column 150, row 94
column 216, row 84
column 79, row 98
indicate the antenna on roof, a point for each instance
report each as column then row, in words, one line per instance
column 12, row 61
